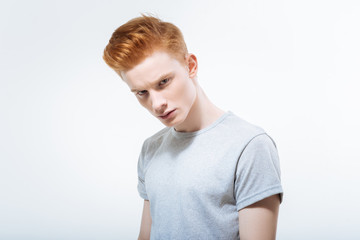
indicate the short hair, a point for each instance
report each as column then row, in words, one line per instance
column 137, row 39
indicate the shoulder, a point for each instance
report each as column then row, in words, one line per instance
column 158, row 136
column 149, row 148
column 240, row 129
column 155, row 140
column 261, row 143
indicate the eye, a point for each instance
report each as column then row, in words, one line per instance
column 164, row 81
column 141, row 93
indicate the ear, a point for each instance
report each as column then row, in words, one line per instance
column 192, row 65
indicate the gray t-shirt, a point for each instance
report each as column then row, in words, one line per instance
column 197, row 182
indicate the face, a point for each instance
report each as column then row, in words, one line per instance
column 165, row 87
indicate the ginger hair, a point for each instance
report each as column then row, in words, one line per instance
column 137, row 39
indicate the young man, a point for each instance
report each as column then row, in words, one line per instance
column 208, row 174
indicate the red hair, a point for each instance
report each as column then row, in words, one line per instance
column 135, row 40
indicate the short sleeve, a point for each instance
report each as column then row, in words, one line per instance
column 257, row 172
column 141, row 187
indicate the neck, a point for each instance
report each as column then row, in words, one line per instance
column 202, row 114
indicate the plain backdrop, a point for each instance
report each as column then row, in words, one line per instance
column 71, row 131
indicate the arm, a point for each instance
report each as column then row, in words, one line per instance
column 259, row 220
column 145, row 226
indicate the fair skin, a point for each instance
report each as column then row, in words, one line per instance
column 169, row 90
column 164, row 85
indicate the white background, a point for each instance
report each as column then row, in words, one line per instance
column 71, row 132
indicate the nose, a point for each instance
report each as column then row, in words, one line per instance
column 159, row 103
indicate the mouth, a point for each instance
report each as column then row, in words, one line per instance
column 166, row 114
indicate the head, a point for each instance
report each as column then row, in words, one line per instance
column 151, row 57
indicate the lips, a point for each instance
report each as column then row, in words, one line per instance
column 166, row 114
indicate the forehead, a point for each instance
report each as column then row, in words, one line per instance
column 151, row 69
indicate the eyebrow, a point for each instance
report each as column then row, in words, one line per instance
column 162, row 77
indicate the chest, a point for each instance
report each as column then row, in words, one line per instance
column 194, row 172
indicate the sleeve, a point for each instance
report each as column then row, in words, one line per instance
column 257, row 172
column 141, row 187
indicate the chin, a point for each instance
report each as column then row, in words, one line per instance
column 175, row 123
column 170, row 124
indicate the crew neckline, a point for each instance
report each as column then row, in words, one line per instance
column 195, row 133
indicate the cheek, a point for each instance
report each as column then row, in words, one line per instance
column 189, row 92
column 142, row 102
